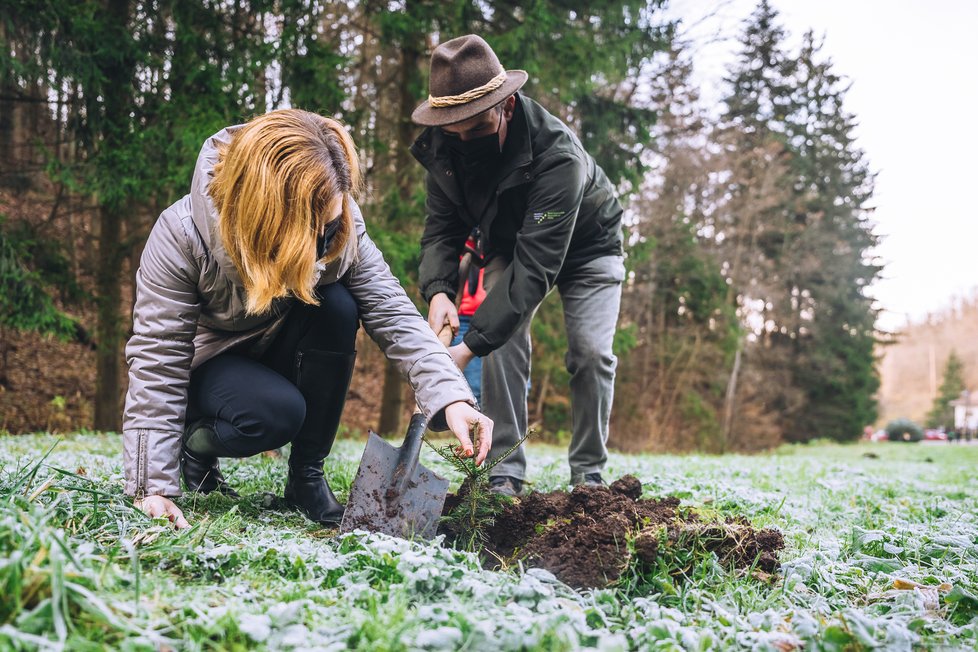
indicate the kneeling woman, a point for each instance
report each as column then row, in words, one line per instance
column 248, row 298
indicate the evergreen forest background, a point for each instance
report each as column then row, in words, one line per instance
column 745, row 320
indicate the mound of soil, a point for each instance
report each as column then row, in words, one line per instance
column 588, row 537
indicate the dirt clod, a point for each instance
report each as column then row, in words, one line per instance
column 646, row 547
column 629, row 486
column 590, row 536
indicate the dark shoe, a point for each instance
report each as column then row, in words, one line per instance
column 323, row 377
column 506, row 485
column 313, row 497
column 588, row 480
column 203, row 474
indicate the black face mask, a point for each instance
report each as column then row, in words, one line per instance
column 476, row 153
column 323, row 242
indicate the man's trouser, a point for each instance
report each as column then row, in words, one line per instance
column 591, row 297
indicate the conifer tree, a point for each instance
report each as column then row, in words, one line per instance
column 582, row 63
column 751, row 223
column 142, row 84
column 671, row 382
column 831, row 333
column 941, row 413
column 798, row 257
column 138, row 85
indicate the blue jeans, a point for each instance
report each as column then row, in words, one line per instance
column 473, row 370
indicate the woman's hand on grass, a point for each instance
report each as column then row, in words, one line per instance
column 157, row 506
column 462, row 419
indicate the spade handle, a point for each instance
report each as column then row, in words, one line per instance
column 445, row 335
column 408, row 454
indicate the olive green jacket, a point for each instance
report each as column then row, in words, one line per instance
column 551, row 209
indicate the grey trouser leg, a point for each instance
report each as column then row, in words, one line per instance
column 591, row 296
column 505, row 373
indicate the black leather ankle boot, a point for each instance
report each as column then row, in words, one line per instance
column 323, row 377
column 198, row 460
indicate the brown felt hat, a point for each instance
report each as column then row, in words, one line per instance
column 466, row 79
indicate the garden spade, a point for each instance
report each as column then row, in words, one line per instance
column 392, row 492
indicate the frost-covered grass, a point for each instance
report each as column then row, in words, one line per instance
column 81, row 569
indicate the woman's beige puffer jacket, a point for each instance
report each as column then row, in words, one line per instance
column 190, row 306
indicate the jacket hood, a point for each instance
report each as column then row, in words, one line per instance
column 206, row 220
column 203, row 211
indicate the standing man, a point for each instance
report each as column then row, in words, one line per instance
column 497, row 160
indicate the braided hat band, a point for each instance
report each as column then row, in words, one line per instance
column 466, row 79
column 468, row 96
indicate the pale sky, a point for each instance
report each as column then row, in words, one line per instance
column 913, row 65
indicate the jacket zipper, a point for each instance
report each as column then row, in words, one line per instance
column 141, row 465
column 298, row 366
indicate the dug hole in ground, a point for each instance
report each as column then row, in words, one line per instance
column 592, row 536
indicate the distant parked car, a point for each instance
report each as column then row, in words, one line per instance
column 904, row 430
column 879, row 435
column 935, row 434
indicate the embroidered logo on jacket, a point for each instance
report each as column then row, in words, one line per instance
column 548, row 215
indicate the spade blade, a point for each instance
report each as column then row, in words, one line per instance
column 376, row 505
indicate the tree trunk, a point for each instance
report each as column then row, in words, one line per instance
column 107, row 330
column 111, row 250
column 4, row 350
column 392, row 401
column 8, row 90
column 542, row 397
column 393, row 411
column 730, row 400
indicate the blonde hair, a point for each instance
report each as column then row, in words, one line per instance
column 273, row 185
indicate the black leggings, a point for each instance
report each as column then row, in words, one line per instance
column 254, row 404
